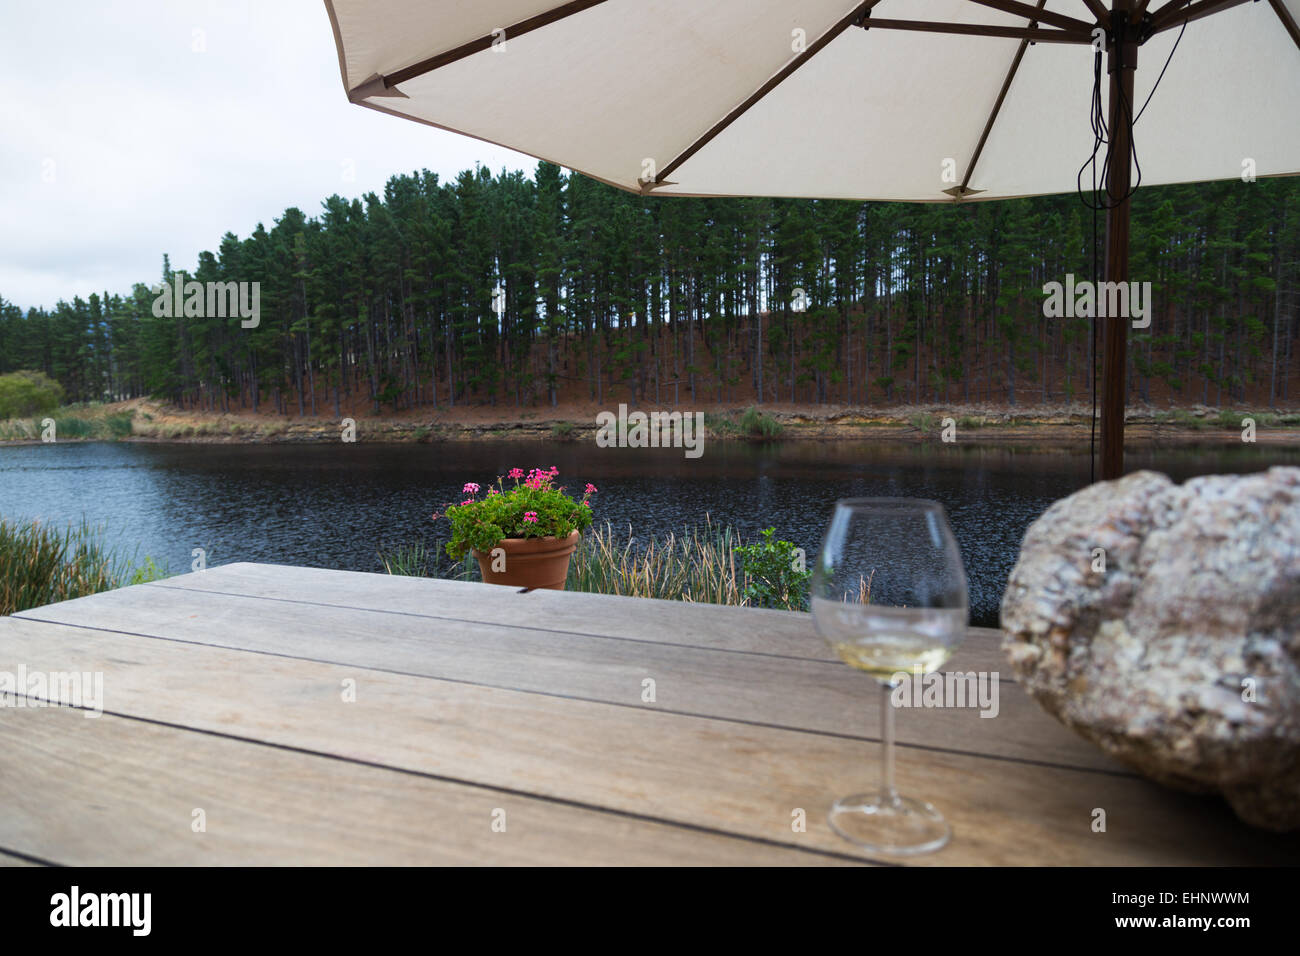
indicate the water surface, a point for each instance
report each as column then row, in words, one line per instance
column 338, row 506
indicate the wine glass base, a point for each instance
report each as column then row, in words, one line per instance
column 897, row 827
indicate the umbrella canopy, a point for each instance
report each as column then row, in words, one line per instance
column 915, row 100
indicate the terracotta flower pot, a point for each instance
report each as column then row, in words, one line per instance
column 531, row 562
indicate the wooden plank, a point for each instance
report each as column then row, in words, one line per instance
column 726, row 777
column 111, row 791
column 754, row 630
column 824, row 696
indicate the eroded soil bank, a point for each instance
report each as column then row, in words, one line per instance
column 1055, row 425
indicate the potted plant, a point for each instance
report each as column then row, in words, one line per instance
column 524, row 535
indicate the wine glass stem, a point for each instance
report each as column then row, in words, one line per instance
column 887, row 743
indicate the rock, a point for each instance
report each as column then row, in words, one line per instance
column 1180, row 655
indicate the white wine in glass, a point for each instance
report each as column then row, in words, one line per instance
column 889, row 596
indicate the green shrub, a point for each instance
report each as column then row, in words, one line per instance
column 73, row 428
column 26, row 393
column 775, row 573
column 755, row 423
column 750, row 423
column 717, row 424
column 1230, row 419
column 119, row 424
column 149, row 571
column 924, row 422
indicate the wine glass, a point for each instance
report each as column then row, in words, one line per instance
column 889, row 595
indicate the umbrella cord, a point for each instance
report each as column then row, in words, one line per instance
column 1097, row 201
column 1168, row 60
column 1100, row 198
column 1099, row 135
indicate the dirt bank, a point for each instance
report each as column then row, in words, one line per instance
column 156, row 421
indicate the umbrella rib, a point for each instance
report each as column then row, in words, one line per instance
column 779, row 77
column 1203, row 8
column 1036, row 34
column 1036, row 14
column 1099, row 11
column 1288, row 21
column 997, row 107
column 485, row 42
column 1167, row 11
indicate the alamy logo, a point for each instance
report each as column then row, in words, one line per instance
column 1102, row 300
column 951, row 689
column 210, row 300
column 653, row 430
column 102, row 909
column 82, row 689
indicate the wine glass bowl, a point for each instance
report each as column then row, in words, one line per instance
column 889, row 595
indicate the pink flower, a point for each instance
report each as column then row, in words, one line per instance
column 530, row 517
column 591, row 489
column 467, row 501
column 516, row 473
column 493, row 491
column 470, row 489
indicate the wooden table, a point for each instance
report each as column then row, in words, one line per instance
column 257, row 714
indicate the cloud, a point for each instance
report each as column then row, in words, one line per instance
column 132, row 130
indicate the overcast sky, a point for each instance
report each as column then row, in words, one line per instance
column 143, row 127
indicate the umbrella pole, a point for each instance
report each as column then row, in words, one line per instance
column 1122, row 61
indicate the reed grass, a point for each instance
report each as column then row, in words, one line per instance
column 419, row 560
column 754, row 423
column 86, row 421
column 751, row 423
column 41, row 564
column 407, row 560
column 699, row 565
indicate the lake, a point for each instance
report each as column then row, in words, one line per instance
column 338, row 505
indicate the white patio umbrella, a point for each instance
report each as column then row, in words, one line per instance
column 915, row 100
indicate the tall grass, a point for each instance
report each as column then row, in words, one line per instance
column 71, row 422
column 923, row 422
column 751, row 423
column 418, row 560
column 407, row 560
column 754, row 423
column 697, row 565
column 40, row 564
column 1225, row 418
column 707, row 565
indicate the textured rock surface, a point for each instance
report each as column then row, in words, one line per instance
column 1156, row 657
